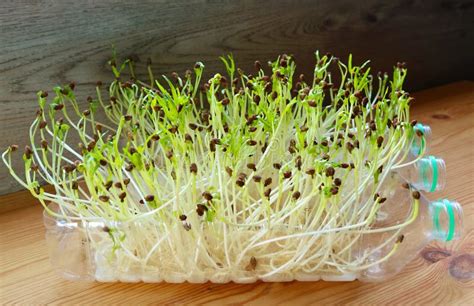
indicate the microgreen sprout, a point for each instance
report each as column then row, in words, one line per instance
column 280, row 173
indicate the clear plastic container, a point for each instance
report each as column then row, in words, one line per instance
column 427, row 174
column 139, row 250
column 439, row 220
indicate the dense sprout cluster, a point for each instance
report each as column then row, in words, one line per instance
column 253, row 174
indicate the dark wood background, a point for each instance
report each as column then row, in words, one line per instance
column 44, row 43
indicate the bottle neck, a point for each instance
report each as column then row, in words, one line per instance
column 427, row 174
column 430, row 174
column 422, row 134
column 446, row 217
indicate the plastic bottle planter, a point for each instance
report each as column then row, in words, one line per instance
column 141, row 251
column 268, row 182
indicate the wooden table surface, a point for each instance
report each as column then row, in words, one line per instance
column 443, row 273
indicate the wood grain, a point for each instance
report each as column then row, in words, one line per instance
column 441, row 275
column 45, row 42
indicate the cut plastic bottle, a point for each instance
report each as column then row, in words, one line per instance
column 398, row 230
column 383, row 253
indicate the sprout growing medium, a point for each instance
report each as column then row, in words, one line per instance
column 269, row 176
